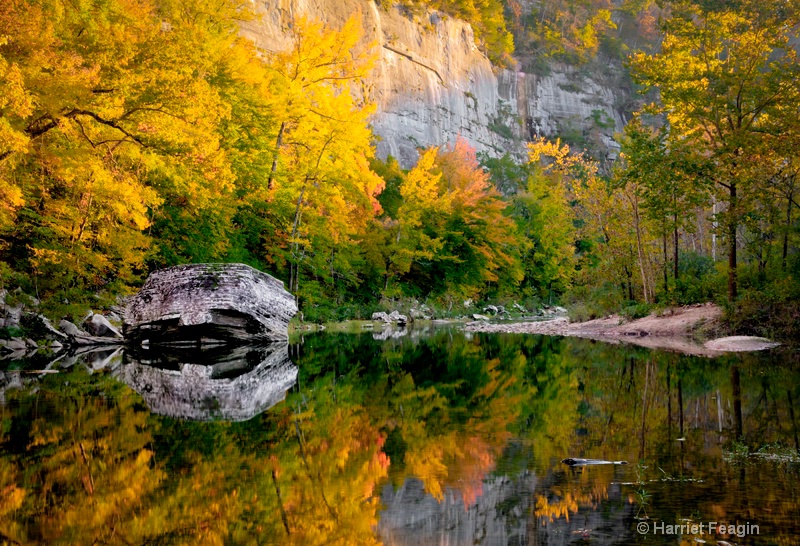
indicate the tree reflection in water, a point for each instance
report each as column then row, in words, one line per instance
column 429, row 438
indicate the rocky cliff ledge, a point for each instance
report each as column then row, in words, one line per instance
column 432, row 83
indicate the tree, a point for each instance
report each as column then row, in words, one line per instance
column 422, row 204
column 545, row 217
column 665, row 169
column 727, row 78
column 479, row 232
column 323, row 146
column 451, row 236
column 105, row 123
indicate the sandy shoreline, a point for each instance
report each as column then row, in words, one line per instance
column 674, row 330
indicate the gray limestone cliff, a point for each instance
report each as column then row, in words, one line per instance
column 432, row 83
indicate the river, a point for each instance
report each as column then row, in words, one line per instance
column 431, row 436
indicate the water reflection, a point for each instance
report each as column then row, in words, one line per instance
column 428, row 438
column 212, row 384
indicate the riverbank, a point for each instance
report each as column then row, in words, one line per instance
column 681, row 329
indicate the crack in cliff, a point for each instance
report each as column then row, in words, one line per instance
column 413, row 60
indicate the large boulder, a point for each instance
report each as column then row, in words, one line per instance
column 209, row 304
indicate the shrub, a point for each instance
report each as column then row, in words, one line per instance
column 586, row 303
column 700, row 279
column 772, row 311
column 9, row 332
column 636, row 311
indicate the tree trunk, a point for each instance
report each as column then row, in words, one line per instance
column 714, row 230
column 639, row 249
column 732, row 225
column 643, row 437
column 669, row 403
column 786, row 233
column 675, row 253
column 275, row 157
column 294, row 264
column 794, row 423
column 284, row 518
column 666, row 262
column 628, row 282
column 680, row 403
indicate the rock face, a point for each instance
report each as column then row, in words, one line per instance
column 10, row 315
column 432, row 84
column 209, row 304
column 70, row 329
column 204, row 386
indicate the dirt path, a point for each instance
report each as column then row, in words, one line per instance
column 674, row 330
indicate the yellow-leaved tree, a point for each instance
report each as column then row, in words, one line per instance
column 451, row 237
column 320, row 176
column 727, row 78
column 111, row 107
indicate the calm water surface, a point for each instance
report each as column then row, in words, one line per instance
column 434, row 437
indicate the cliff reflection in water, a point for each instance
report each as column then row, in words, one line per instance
column 430, row 438
column 218, row 383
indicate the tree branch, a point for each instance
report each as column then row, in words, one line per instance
column 160, row 110
column 107, row 122
column 33, row 131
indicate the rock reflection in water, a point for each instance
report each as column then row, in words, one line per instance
column 389, row 333
column 499, row 516
column 209, row 385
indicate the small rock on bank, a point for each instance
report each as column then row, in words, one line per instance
column 392, row 317
column 99, row 326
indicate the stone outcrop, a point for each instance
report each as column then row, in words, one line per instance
column 105, row 334
column 10, row 314
column 390, row 318
column 51, row 332
column 98, row 325
column 432, row 84
column 209, row 304
column 572, row 461
column 209, row 385
column 389, row 333
column 675, row 329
